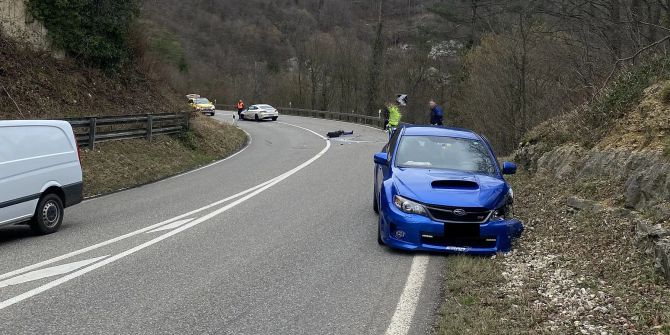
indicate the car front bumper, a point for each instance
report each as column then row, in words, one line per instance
column 415, row 232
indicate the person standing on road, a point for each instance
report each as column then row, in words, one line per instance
column 391, row 114
column 240, row 108
column 436, row 114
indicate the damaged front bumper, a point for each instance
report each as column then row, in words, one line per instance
column 415, row 232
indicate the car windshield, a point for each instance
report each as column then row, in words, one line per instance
column 449, row 153
column 265, row 106
column 201, row 101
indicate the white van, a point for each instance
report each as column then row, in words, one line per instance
column 40, row 173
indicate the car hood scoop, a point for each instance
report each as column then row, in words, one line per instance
column 454, row 184
column 450, row 188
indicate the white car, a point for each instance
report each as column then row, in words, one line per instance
column 40, row 173
column 260, row 112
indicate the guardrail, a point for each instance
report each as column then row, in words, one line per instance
column 90, row 131
column 346, row 117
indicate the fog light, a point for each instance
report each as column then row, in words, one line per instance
column 399, row 234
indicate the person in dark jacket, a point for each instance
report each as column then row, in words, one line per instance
column 436, row 114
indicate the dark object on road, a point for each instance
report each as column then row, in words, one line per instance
column 339, row 133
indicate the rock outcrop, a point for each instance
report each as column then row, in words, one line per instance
column 18, row 24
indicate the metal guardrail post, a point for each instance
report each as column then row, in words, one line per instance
column 92, row 126
column 150, row 127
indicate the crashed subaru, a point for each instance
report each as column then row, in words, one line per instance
column 442, row 189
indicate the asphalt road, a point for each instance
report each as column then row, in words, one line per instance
column 279, row 239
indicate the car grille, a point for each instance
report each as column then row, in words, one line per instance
column 459, row 242
column 451, row 214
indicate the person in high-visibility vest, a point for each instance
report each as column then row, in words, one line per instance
column 240, row 108
column 394, row 115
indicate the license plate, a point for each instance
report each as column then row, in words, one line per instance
column 461, row 230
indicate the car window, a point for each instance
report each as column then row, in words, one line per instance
column 202, row 101
column 252, row 108
column 439, row 152
column 266, row 107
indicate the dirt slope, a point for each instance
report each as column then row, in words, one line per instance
column 34, row 85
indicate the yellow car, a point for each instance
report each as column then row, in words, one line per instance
column 201, row 104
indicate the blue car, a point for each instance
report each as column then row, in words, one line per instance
column 442, row 189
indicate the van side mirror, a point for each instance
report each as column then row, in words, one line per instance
column 381, row 158
column 509, row 168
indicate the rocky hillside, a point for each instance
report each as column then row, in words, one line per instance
column 594, row 194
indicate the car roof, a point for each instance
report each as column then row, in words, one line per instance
column 440, row 131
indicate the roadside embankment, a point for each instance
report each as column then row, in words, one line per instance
column 118, row 165
column 595, row 256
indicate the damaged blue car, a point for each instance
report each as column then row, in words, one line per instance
column 442, row 189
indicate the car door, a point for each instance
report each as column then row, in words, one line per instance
column 384, row 172
column 252, row 111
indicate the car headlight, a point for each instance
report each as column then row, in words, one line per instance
column 503, row 213
column 408, row 206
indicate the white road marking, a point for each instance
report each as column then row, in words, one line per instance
column 171, row 226
column 131, row 234
column 49, row 272
column 404, row 312
column 258, row 190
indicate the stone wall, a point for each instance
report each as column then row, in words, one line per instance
column 17, row 24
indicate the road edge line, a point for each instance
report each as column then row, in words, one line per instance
column 409, row 299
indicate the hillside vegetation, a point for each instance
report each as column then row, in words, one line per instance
column 595, row 198
column 105, row 73
column 500, row 66
column 37, row 86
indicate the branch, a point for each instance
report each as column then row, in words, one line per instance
column 10, row 98
column 621, row 60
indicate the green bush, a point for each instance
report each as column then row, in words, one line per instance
column 95, row 32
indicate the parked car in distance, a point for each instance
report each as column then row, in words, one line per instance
column 260, row 112
column 40, row 173
column 201, row 104
column 442, row 189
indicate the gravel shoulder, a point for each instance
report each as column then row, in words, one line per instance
column 575, row 271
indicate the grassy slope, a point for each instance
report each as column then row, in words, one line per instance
column 122, row 164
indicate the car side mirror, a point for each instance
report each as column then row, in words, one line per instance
column 381, row 158
column 509, row 168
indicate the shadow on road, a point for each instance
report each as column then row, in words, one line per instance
column 16, row 232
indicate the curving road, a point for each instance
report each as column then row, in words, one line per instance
column 278, row 239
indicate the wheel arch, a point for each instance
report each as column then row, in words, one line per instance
column 53, row 188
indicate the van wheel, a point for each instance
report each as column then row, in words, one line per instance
column 48, row 215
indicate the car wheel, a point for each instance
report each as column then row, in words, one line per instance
column 379, row 232
column 256, row 118
column 375, row 202
column 274, row 118
column 48, row 215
